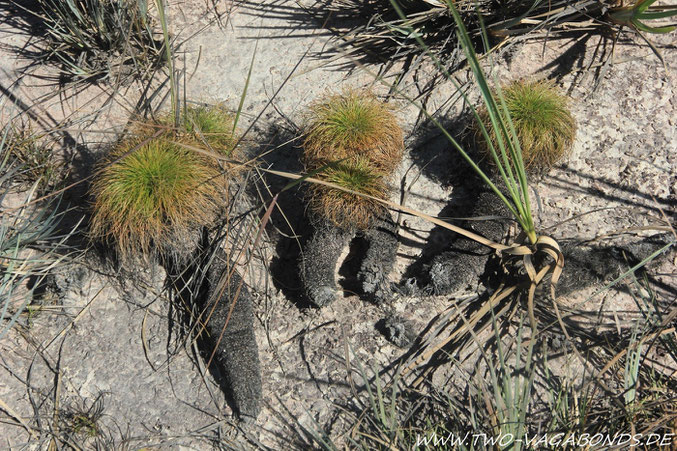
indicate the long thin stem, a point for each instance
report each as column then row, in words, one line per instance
column 170, row 60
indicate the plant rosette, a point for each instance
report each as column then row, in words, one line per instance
column 156, row 188
column 543, row 123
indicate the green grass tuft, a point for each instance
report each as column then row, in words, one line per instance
column 353, row 124
column 158, row 192
column 543, row 123
column 358, row 137
column 211, row 126
column 356, row 175
column 344, row 208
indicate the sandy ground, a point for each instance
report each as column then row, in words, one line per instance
column 621, row 174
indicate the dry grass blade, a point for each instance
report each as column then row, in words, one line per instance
column 18, row 418
column 501, row 294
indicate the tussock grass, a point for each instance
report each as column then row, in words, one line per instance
column 544, row 126
column 150, row 194
column 152, row 190
column 354, row 141
column 342, row 207
column 94, row 39
column 353, row 124
column 211, row 126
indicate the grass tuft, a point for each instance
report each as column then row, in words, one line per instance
column 543, row 123
column 32, row 151
column 152, row 191
column 345, row 208
column 354, row 140
column 353, row 124
column 211, row 126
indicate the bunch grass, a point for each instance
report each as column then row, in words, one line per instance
column 211, row 126
column 354, row 142
column 543, row 123
column 95, row 39
column 157, row 187
column 354, row 123
column 32, row 152
column 342, row 207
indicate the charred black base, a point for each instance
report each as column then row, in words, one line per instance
column 224, row 307
column 586, row 265
column 322, row 251
column 467, row 263
column 230, row 328
column 462, row 265
column 397, row 330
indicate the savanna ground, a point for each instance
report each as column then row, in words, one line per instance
column 99, row 361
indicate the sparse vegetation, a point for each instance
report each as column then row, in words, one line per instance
column 381, row 30
column 94, row 39
column 543, row 123
column 30, row 244
column 509, row 363
column 33, row 153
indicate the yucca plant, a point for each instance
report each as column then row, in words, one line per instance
column 94, row 39
column 543, row 124
column 635, row 15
